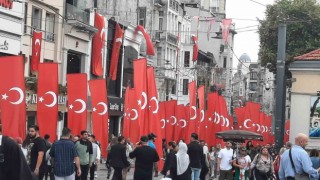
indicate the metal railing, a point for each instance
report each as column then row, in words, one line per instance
column 73, row 12
column 48, row 36
column 171, row 38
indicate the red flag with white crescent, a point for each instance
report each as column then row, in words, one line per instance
column 193, row 121
column 201, row 125
column 162, row 117
column 154, row 119
column 224, row 115
column 47, row 105
column 212, row 117
column 12, row 91
column 195, row 48
column 36, row 50
column 226, row 29
column 117, row 42
column 287, row 131
column 98, row 45
column 150, row 48
column 100, row 116
column 171, row 119
column 131, row 127
column 77, row 102
column 240, row 113
column 140, row 86
column 181, row 122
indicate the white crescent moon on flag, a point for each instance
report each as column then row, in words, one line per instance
column 144, row 95
column 216, row 120
column 175, row 120
column 259, row 127
column 263, row 129
column 224, row 120
column 202, row 115
column 267, row 129
column 37, row 41
column 195, row 113
column 21, row 95
column 105, row 108
column 119, row 40
column 164, row 123
column 227, row 122
column 245, row 123
column 287, row 132
column 157, row 104
column 184, row 123
column 135, row 115
column 83, row 106
column 54, row 96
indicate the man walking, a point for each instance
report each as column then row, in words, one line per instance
column 85, row 151
column 117, row 158
column 195, row 152
column 64, row 156
column 145, row 157
column 36, row 151
column 96, row 156
column 152, row 137
column 225, row 162
column 295, row 162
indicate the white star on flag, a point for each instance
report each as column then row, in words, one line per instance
column 94, row 109
column 41, row 99
column 70, row 106
column 4, row 96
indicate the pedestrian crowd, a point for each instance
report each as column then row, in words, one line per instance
column 77, row 157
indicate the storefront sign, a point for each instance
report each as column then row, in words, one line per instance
column 116, row 105
column 6, row 3
column 4, row 45
column 9, row 46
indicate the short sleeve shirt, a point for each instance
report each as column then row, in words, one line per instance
column 36, row 145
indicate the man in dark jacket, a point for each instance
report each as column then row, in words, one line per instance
column 195, row 152
column 117, row 158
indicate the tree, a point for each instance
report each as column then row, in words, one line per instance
column 303, row 29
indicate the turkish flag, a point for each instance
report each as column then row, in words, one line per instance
column 47, row 104
column 201, row 125
column 12, row 91
column 224, row 115
column 150, row 48
column 211, row 130
column 117, row 42
column 171, row 119
column 195, row 48
column 131, row 127
column 180, row 114
column 240, row 113
column 162, row 116
column 36, row 50
column 153, row 123
column 225, row 29
column 287, row 131
column 98, row 45
column 77, row 102
column 140, row 85
column 184, row 130
column 192, row 126
column 100, row 117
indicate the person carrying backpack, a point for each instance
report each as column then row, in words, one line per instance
column 262, row 166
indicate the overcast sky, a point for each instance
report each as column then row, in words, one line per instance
column 244, row 13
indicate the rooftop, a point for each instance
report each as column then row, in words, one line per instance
column 310, row 56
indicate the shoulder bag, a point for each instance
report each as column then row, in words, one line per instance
column 297, row 176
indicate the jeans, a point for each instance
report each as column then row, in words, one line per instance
column 84, row 172
column 71, row 177
column 195, row 175
column 92, row 170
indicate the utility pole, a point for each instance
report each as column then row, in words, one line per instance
column 281, row 88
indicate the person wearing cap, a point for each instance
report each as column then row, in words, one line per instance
column 145, row 157
column 195, row 152
column 225, row 162
column 242, row 164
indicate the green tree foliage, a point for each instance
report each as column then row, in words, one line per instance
column 303, row 29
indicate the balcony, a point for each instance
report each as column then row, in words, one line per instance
column 173, row 39
column 48, row 36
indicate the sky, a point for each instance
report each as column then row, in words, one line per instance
column 244, row 13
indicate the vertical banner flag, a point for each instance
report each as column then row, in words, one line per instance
column 97, row 45
column 287, row 131
column 240, row 113
column 225, row 121
column 117, row 42
column 12, row 91
column 195, row 48
column 140, row 85
column 162, row 116
column 193, row 110
column 150, row 48
column 100, row 117
column 153, row 122
column 181, row 125
column 77, row 102
column 210, row 131
column 212, row 21
column 201, row 128
column 131, row 126
column 36, row 50
column 47, row 104
column 171, row 119
column 226, row 28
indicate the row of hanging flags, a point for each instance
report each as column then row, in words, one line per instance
column 250, row 118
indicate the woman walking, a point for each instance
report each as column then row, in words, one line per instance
column 262, row 165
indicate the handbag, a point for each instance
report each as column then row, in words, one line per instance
column 297, row 176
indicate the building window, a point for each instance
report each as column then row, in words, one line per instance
column 185, row 86
column 48, row 61
column 142, row 16
column 73, row 63
column 253, row 76
column 160, row 20
column 173, row 89
column 187, row 59
column 214, row 6
column 36, row 18
column 253, row 86
column 225, row 62
column 50, row 27
column 95, row 3
column 159, row 56
column 240, row 91
column 25, row 17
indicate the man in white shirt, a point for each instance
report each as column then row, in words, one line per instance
column 225, row 162
column 96, row 156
